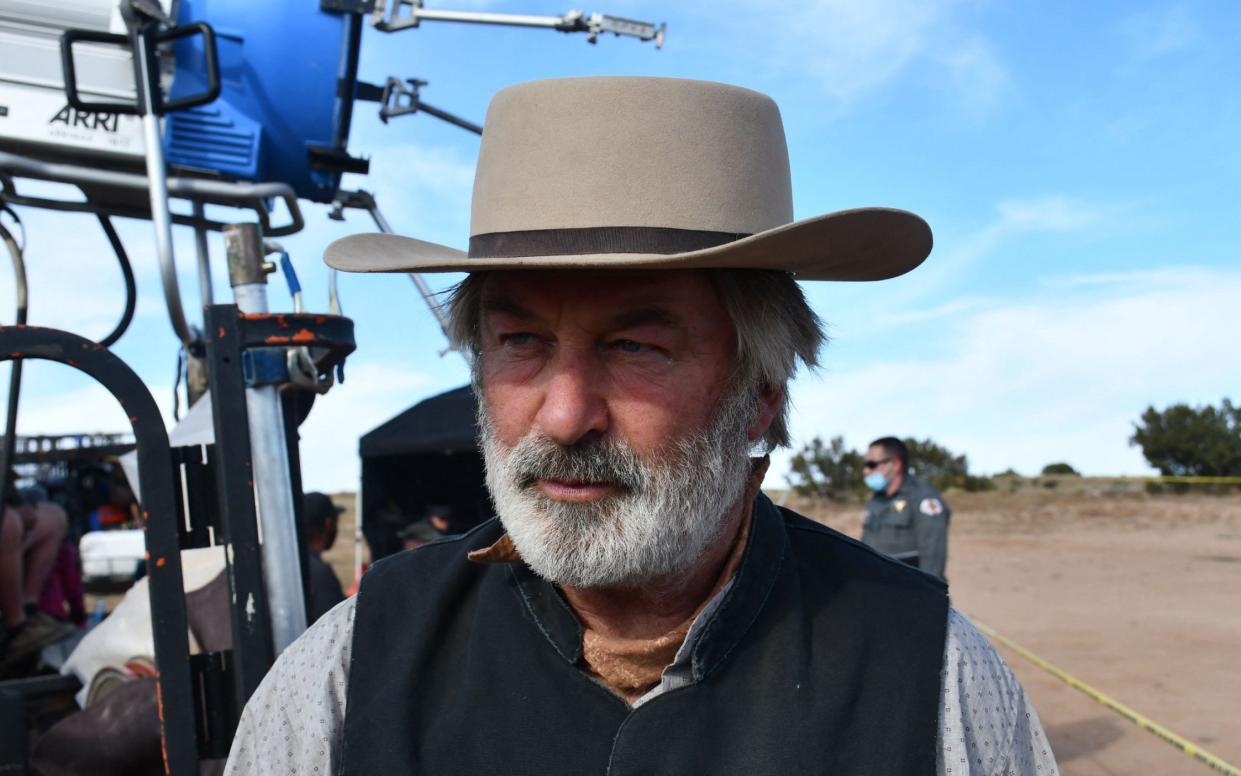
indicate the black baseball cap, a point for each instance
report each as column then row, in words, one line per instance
column 317, row 507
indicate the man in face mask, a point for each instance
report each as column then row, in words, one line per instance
column 906, row 517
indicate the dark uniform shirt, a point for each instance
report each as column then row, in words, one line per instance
column 910, row 525
column 324, row 586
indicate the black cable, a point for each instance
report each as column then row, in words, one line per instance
column 127, row 271
column 176, row 383
column 4, row 208
column 9, row 449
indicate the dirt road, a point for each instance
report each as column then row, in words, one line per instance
column 1138, row 597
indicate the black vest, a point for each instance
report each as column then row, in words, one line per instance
column 824, row 657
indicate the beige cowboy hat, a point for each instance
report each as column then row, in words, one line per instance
column 649, row 173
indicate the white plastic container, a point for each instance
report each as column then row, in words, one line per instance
column 111, row 555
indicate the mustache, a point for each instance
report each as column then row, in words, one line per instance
column 596, row 460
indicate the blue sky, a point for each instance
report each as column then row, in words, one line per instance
column 1077, row 162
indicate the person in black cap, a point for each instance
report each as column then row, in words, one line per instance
column 418, row 533
column 320, row 515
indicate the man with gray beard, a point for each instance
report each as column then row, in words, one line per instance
column 664, row 515
column 633, row 318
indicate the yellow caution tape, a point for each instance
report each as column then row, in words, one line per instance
column 1186, row 746
column 1170, row 479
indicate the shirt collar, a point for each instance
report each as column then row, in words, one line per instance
column 718, row 627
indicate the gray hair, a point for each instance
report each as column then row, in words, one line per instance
column 774, row 324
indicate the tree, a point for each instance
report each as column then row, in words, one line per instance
column 937, row 465
column 1184, row 441
column 1060, row 468
column 827, row 471
column 830, row 471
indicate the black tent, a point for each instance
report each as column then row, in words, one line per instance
column 426, row 456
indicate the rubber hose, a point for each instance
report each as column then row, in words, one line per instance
column 127, row 271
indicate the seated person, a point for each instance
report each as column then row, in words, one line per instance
column 30, row 538
column 62, row 595
column 441, row 519
column 419, row 533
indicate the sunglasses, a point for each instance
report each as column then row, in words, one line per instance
column 868, row 465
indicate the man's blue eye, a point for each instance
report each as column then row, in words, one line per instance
column 629, row 346
column 521, row 338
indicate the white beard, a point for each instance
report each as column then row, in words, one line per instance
column 666, row 512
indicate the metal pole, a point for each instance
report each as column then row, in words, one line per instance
column 157, row 185
column 428, row 295
column 204, row 257
column 480, row 17
column 444, row 115
column 282, row 565
column 231, row 193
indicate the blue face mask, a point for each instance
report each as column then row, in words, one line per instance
column 876, row 482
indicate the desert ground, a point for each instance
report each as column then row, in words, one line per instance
column 1136, row 595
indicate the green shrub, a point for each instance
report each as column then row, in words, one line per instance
column 1060, row 468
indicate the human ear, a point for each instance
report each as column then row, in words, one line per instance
column 769, row 399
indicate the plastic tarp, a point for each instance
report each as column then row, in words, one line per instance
column 442, row 424
column 426, row 456
column 196, row 428
column 126, row 633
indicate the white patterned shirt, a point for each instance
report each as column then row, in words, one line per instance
column 295, row 722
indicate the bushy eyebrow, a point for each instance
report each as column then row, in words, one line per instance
column 644, row 316
column 647, row 314
column 496, row 304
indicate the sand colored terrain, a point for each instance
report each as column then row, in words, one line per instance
column 1137, row 596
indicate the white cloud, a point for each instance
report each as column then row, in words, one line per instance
column 860, row 46
column 1059, row 376
column 423, row 190
column 1158, row 32
column 853, row 49
column 74, row 279
column 948, row 310
column 372, row 393
column 1044, row 214
column 954, row 255
column 1140, row 280
column 56, row 399
column 979, row 78
column 1015, row 218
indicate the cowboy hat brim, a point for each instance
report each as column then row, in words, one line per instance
column 857, row 244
